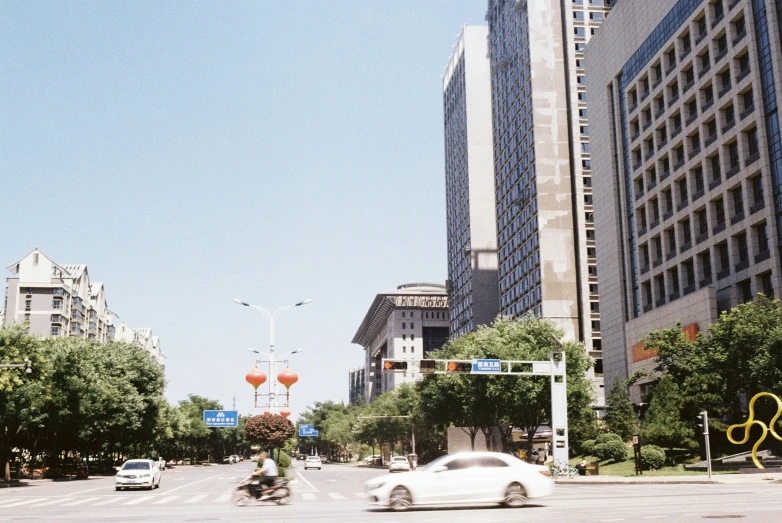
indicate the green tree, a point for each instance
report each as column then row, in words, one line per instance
column 663, row 424
column 620, row 417
column 269, row 430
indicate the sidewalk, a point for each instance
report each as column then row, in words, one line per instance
column 727, row 479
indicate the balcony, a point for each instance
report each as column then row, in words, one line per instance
column 685, row 247
column 664, row 175
column 657, row 262
column 668, row 214
column 706, row 68
column 660, row 302
column 740, row 266
column 678, row 165
column 648, row 307
column 689, row 289
column 763, row 256
column 705, row 281
column 673, row 296
column 733, row 171
column 747, row 111
column 644, row 269
column 708, row 102
column 715, row 183
column 752, row 158
column 654, row 223
column 682, row 205
column 711, row 139
column 702, row 237
column 718, row 228
column 728, row 125
column 676, row 131
column 739, row 37
column 671, row 255
column 742, row 74
column 757, row 206
column 737, row 218
column 694, row 151
column 725, row 89
column 724, row 273
column 691, row 118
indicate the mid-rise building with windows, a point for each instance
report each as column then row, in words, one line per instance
column 469, row 184
column 687, row 155
column 542, row 163
column 56, row 300
column 405, row 325
column 357, row 386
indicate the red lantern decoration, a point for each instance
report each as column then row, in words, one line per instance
column 255, row 377
column 287, row 377
column 267, row 412
column 285, row 413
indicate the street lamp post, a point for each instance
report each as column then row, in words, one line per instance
column 272, row 317
column 27, row 364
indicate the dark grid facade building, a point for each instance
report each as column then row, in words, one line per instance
column 690, row 165
column 469, row 184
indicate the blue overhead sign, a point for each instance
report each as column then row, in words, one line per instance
column 308, row 430
column 221, row 418
column 486, row 367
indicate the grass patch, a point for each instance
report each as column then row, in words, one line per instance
column 627, row 468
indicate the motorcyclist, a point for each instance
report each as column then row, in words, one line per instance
column 267, row 474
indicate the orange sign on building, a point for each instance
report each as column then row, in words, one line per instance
column 641, row 352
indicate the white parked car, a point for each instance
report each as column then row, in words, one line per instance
column 138, row 473
column 237, row 458
column 398, row 464
column 463, row 478
column 312, row 462
column 371, row 460
column 160, row 462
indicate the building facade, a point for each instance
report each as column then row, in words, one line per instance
column 469, row 184
column 357, row 386
column 542, row 164
column 404, row 324
column 688, row 158
column 56, row 300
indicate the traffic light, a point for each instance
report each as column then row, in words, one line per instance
column 392, row 365
column 426, row 366
column 458, row 367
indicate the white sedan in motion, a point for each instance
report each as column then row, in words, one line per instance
column 463, row 478
column 138, row 473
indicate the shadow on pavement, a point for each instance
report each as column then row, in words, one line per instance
column 455, row 509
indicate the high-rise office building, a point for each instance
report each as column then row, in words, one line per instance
column 469, row 183
column 687, row 155
column 543, row 176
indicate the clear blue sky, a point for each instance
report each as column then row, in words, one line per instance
column 193, row 152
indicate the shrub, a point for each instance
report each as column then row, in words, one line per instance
column 608, row 436
column 283, row 461
column 614, row 450
column 652, row 456
column 588, row 447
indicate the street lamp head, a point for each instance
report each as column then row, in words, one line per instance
column 29, row 370
column 253, row 350
column 240, row 302
column 297, row 351
column 305, row 302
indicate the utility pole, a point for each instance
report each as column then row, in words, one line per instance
column 234, row 402
column 705, row 421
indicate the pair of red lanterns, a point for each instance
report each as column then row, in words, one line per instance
column 287, row 377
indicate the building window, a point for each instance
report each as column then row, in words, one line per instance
column 35, row 259
column 761, row 233
column 412, row 349
column 412, row 337
column 411, row 325
column 404, row 325
column 404, row 336
column 404, row 349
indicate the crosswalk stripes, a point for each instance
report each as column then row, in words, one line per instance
column 9, row 500
column 138, row 501
column 25, row 502
column 165, row 500
column 54, row 502
column 80, row 502
column 360, row 494
column 223, row 498
column 195, row 499
column 336, row 495
column 307, row 496
column 106, row 502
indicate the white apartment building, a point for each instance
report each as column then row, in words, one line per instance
column 473, row 297
column 404, row 324
column 57, row 300
column 687, row 153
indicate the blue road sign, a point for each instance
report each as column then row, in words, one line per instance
column 221, row 418
column 486, row 366
column 308, row 430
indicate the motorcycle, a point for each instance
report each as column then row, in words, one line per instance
column 249, row 489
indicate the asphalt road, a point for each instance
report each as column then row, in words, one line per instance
column 336, row 494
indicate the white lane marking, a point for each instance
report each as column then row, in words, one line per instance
column 223, row 498
column 360, row 494
column 606, row 520
column 80, row 502
column 193, row 483
column 164, row 500
column 308, row 497
column 654, row 517
column 336, row 495
column 9, row 500
column 307, row 482
column 25, row 502
column 54, row 502
column 89, row 490
column 137, row 501
column 106, row 502
column 195, row 499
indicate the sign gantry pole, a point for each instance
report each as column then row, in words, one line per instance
column 554, row 368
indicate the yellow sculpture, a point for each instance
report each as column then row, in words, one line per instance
column 752, row 421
